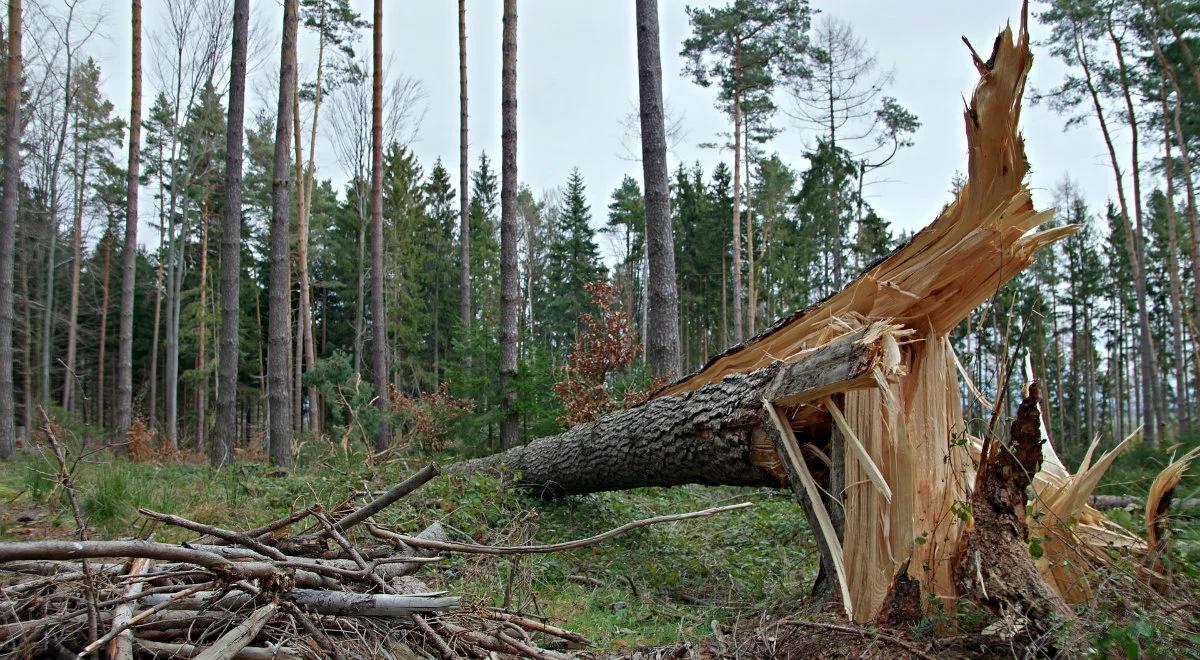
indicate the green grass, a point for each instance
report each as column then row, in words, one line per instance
column 653, row 585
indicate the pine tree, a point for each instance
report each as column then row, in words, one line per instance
column 129, row 254
column 573, row 262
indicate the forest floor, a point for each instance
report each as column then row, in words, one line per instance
column 727, row 584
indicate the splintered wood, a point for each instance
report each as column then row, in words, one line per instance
column 908, row 464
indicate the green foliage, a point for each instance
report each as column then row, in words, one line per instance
column 353, row 414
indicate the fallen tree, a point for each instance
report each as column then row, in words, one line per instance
column 854, row 402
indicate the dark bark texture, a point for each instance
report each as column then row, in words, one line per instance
column 225, row 431
column 464, row 175
column 8, row 225
column 994, row 566
column 510, row 296
column 710, row 436
column 279, row 336
column 662, row 322
column 378, row 319
column 129, row 254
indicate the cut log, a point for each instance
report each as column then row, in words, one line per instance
column 707, row 436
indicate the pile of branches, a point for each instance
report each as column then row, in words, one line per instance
column 266, row 592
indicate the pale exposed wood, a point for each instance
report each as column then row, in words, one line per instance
column 814, row 497
column 231, row 643
column 860, row 452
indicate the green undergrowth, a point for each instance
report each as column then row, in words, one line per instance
column 653, row 585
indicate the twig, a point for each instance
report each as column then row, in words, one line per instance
column 390, row 497
column 537, row 626
column 471, row 548
column 227, row 535
column 117, row 628
column 438, row 643
column 64, row 478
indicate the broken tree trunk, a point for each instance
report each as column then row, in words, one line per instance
column 994, row 566
column 710, row 436
column 886, row 444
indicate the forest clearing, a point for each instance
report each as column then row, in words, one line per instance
column 400, row 421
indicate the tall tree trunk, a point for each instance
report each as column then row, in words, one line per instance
column 152, row 381
column 280, row 313
column 1151, row 382
column 81, row 169
column 1171, row 76
column 101, row 358
column 1178, row 341
column 225, row 432
column 202, row 339
column 736, row 260
column 1145, row 339
column 8, row 226
column 129, row 255
column 510, row 296
column 752, row 291
column 464, row 174
column 360, row 286
column 662, row 314
column 48, row 304
column 378, row 319
column 305, row 195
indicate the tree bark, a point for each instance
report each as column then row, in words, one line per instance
column 81, row 169
column 662, row 315
column 510, row 296
column 280, row 313
column 464, row 174
column 736, row 258
column 1177, row 303
column 1145, row 340
column 710, row 436
column 129, row 255
column 993, row 566
column 8, row 225
column 378, row 320
column 1153, row 388
column 225, row 432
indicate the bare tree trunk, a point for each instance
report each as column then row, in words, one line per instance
column 1178, row 343
column 662, row 314
column 225, row 432
column 1151, row 384
column 81, row 169
column 152, row 403
column 279, row 341
column 101, row 359
column 752, row 292
column 305, row 195
column 378, row 319
column 129, row 256
column 1186, row 162
column 1146, row 341
column 464, row 174
column 48, row 304
column 8, row 226
column 509, row 294
column 736, row 260
column 202, row 339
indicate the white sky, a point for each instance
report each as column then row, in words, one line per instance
column 577, row 79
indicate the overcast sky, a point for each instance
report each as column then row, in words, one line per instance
column 577, row 80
